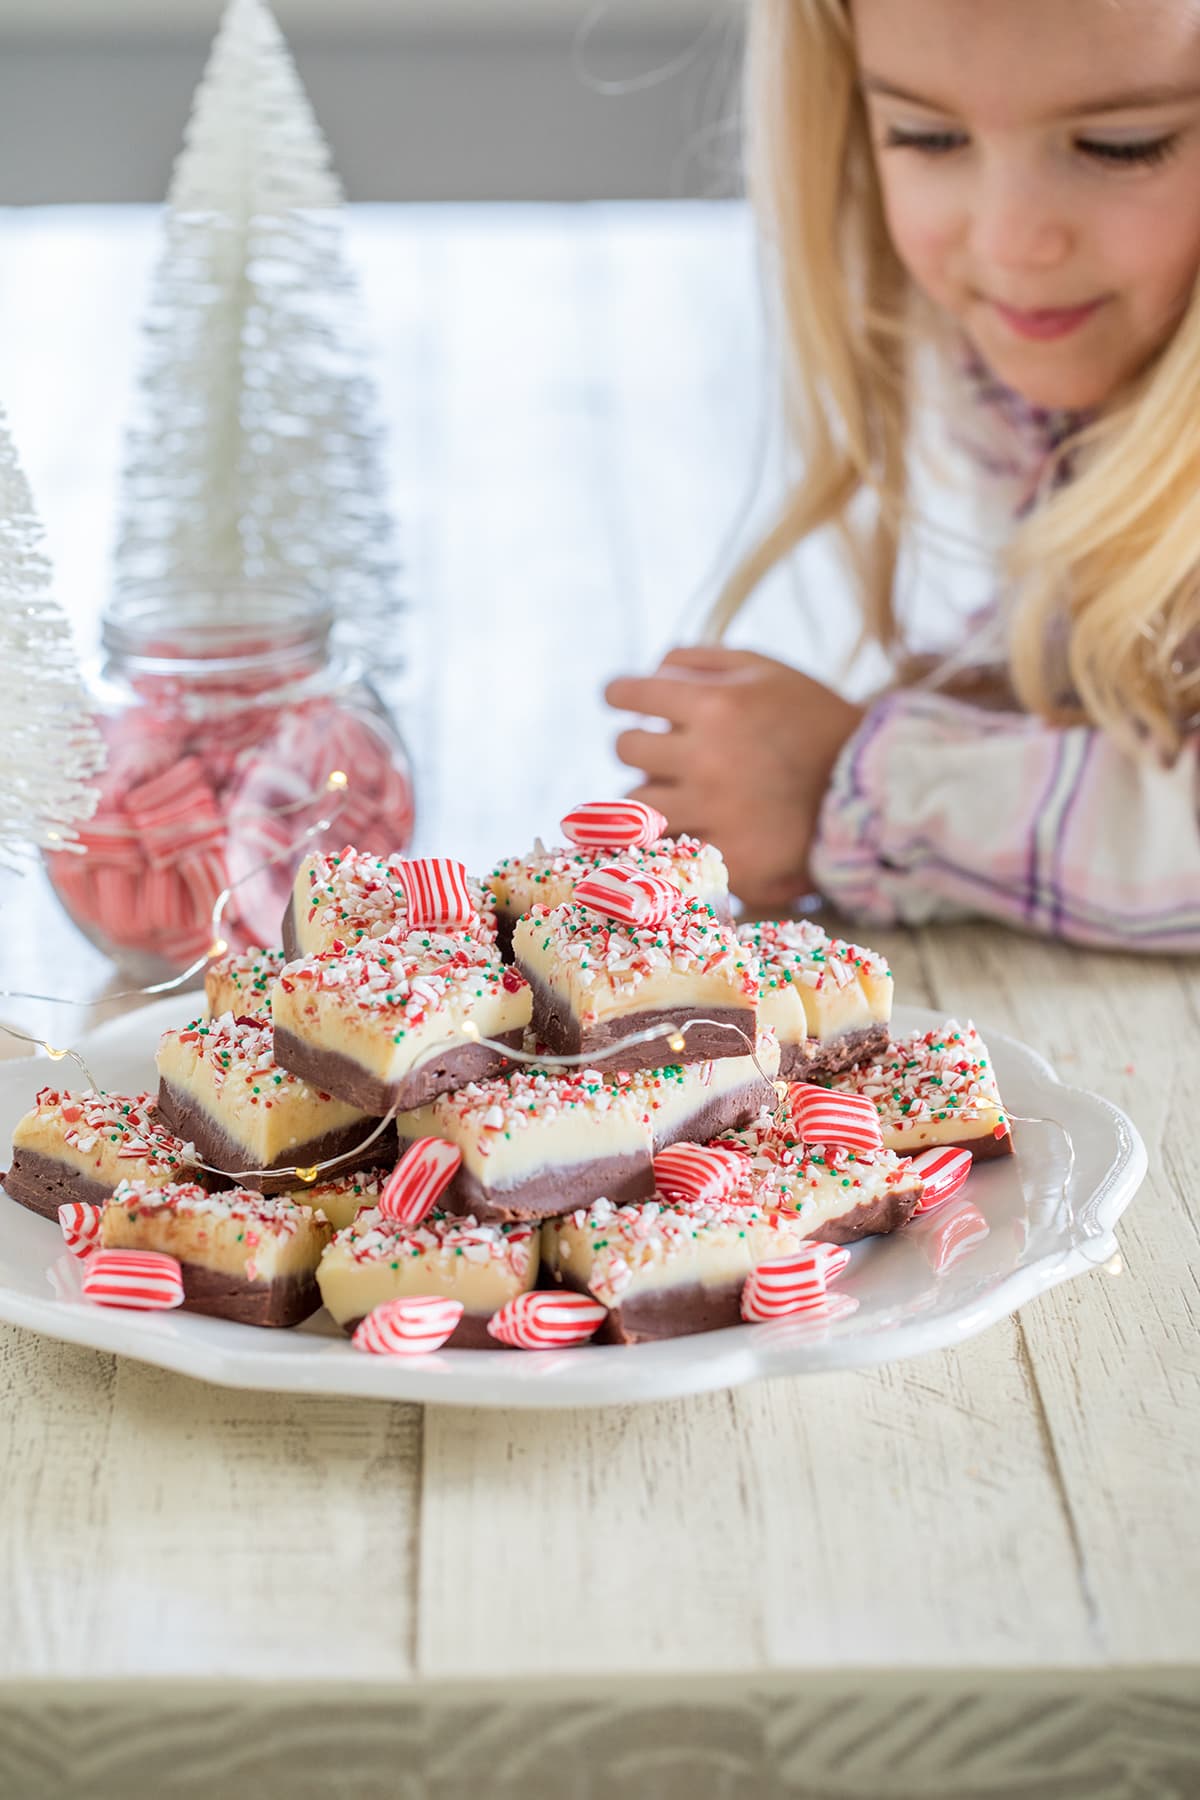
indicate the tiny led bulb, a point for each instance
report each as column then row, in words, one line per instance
column 1115, row 1265
column 53, row 1054
column 677, row 1041
column 470, row 1029
column 337, row 778
column 218, row 947
column 308, row 1175
column 781, row 1090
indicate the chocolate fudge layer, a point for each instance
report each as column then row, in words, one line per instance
column 43, row 1185
column 349, row 1080
column 811, row 1060
column 270, row 1303
column 552, row 1191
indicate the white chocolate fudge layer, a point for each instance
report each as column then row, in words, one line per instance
column 344, row 1197
column 482, row 1266
column 100, row 1138
column 935, row 1087
column 602, row 971
column 537, row 1139
column 225, row 1070
column 547, row 877
column 817, row 990
column 835, row 1193
column 241, row 984
column 339, row 902
column 692, row 1100
column 387, row 1025
column 234, row 1232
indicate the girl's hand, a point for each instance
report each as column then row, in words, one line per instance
column 745, row 763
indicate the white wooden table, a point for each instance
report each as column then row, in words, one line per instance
column 975, row 1574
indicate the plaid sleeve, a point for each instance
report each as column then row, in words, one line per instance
column 940, row 810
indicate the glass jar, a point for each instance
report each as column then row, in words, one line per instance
column 225, row 717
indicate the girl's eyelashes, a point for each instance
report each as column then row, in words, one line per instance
column 1144, row 151
column 1139, row 152
column 931, row 143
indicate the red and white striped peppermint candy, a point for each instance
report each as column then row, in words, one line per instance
column 422, row 1174
column 629, row 896
column 698, row 1171
column 410, row 1326
column 943, row 1173
column 436, row 890
column 541, row 1321
column 820, row 1116
column 614, row 825
column 147, row 1280
column 80, row 1226
column 789, row 1284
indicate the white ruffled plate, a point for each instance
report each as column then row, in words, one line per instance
column 1021, row 1225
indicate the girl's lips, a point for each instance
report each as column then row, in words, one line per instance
column 1046, row 322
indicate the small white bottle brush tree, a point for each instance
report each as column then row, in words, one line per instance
column 256, row 456
column 50, row 749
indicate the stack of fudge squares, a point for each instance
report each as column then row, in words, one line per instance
column 556, row 1032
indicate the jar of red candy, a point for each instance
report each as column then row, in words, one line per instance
column 235, row 727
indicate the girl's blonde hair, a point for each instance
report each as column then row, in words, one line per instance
column 1110, row 560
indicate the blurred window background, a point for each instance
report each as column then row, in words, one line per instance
column 421, row 99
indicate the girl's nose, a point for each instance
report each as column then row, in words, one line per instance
column 1018, row 224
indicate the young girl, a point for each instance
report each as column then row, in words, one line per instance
column 1005, row 193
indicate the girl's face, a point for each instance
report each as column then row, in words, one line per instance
column 1040, row 165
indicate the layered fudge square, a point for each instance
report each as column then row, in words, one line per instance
column 220, row 1085
column 241, row 984
column 547, row 877
column 383, row 1028
column 596, row 983
column 481, row 1265
column 838, row 1195
column 81, row 1146
column 696, row 1101
column 346, row 900
column 242, row 1256
column 665, row 1269
column 536, row 1143
column 935, row 1088
column 829, row 1001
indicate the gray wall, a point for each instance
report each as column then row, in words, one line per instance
column 506, row 105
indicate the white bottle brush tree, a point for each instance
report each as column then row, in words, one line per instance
column 50, row 749
column 256, row 456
